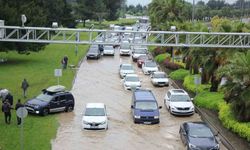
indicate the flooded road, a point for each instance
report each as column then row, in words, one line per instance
column 99, row 81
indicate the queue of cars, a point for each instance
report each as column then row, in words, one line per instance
column 144, row 105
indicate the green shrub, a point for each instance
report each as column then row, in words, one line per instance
column 209, row 100
column 179, row 74
column 228, row 121
column 183, row 65
column 189, row 84
column 161, row 57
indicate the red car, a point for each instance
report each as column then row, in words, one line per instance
column 141, row 59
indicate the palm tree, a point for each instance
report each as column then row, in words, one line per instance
column 237, row 88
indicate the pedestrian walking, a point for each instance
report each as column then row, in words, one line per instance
column 25, row 86
column 6, row 108
column 18, row 105
column 65, row 62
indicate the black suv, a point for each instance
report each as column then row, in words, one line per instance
column 52, row 99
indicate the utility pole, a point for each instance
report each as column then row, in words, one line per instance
column 193, row 12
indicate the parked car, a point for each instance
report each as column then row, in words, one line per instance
column 108, row 50
column 178, row 102
column 141, row 59
column 149, row 67
column 138, row 52
column 126, row 69
column 144, row 107
column 93, row 53
column 131, row 81
column 198, row 136
column 159, row 79
column 124, row 49
column 52, row 99
column 95, row 116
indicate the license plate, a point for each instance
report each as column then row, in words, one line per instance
column 147, row 122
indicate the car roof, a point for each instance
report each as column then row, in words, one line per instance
column 197, row 124
column 126, row 64
column 178, row 92
column 56, row 88
column 144, row 95
column 95, row 105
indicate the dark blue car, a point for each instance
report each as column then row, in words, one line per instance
column 53, row 99
column 198, row 136
column 145, row 107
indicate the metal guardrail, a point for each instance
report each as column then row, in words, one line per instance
column 152, row 38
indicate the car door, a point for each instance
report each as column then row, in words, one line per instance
column 167, row 99
column 183, row 134
column 55, row 104
column 63, row 102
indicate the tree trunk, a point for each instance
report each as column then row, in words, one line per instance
column 214, row 84
column 196, row 69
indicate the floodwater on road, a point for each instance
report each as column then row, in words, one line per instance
column 99, row 81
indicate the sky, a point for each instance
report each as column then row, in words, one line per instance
column 146, row 2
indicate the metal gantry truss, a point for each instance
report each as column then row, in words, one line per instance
column 151, row 38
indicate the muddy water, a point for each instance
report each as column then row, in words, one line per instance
column 98, row 81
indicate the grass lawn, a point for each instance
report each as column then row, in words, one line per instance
column 38, row 69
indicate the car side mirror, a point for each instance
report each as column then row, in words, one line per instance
column 160, row 107
column 132, row 106
column 192, row 99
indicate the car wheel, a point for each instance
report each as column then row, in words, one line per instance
column 45, row 112
column 69, row 108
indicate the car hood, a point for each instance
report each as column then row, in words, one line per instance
column 139, row 112
column 182, row 104
column 207, row 142
column 35, row 101
column 160, row 79
column 94, row 119
column 124, row 49
column 132, row 83
column 92, row 54
column 151, row 68
column 137, row 55
column 127, row 71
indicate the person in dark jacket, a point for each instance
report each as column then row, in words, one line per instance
column 6, row 108
column 18, row 105
column 10, row 99
column 24, row 86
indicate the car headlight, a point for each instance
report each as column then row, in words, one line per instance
column 85, row 122
column 156, row 117
column 137, row 117
column 217, row 146
column 191, row 146
column 173, row 108
column 36, row 106
column 103, row 122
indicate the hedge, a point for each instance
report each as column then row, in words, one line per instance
column 209, row 100
column 179, row 74
column 190, row 86
column 161, row 57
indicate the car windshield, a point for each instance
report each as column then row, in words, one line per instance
column 150, row 64
column 44, row 97
column 126, row 67
column 180, row 98
column 146, row 105
column 108, row 47
column 140, row 51
column 200, row 132
column 94, row 112
column 125, row 46
column 93, row 50
column 143, row 57
column 132, row 79
column 159, row 75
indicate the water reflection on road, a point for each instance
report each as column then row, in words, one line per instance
column 98, row 81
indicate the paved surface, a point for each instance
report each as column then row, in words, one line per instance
column 98, row 81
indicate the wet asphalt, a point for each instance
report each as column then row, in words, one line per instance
column 99, row 81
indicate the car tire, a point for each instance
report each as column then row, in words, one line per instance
column 69, row 108
column 45, row 112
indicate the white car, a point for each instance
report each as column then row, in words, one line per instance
column 159, row 79
column 131, row 81
column 95, row 116
column 178, row 102
column 149, row 67
column 126, row 69
column 137, row 52
column 108, row 50
column 125, row 49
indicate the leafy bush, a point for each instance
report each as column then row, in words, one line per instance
column 159, row 50
column 183, row 65
column 179, row 74
column 171, row 65
column 228, row 121
column 161, row 57
column 209, row 100
column 189, row 84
